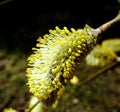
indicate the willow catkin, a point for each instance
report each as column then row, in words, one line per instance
column 113, row 44
column 55, row 60
column 100, row 56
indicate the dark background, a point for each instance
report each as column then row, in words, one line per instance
column 22, row 21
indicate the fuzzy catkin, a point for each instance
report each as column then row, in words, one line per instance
column 100, row 56
column 55, row 60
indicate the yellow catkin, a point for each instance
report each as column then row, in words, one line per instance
column 100, row 56
column 55, row 60
column 113, row 44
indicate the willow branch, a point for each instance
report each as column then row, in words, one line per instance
column 108, row 24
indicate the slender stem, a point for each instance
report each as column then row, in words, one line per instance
column 91, row 77
column 107, row 25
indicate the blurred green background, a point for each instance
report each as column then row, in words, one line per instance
column 23, row 21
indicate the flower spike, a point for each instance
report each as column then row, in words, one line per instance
column 55, row 60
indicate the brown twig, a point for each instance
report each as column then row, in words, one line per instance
column 108, row 24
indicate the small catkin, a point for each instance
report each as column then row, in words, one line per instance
column 55, row 60
column 100, row 56
column 113, row 44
